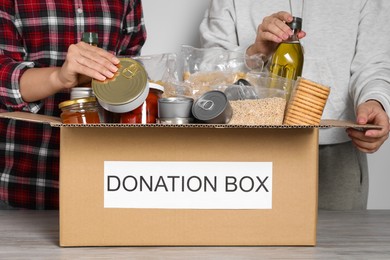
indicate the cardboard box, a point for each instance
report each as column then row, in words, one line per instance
column 99, row 164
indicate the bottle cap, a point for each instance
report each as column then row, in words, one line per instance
column 296, row 23
column 90, row 37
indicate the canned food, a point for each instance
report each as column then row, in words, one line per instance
column 175, row 107
column 175, row 121
column 213, row 107
column 124, row 92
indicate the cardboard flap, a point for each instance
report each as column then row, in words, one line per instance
column 346, row 124
column 31, row 117
column 55, row 121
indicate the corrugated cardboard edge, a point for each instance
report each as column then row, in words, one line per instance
column 56, row 122
column 31, row 117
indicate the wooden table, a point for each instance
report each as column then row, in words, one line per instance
column 341, row 235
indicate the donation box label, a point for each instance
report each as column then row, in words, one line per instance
column 188, row 185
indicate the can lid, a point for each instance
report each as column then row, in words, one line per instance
column 128, row 83
column 210, row 105
column 176, row 100
column 90, row 37
column 76, row 101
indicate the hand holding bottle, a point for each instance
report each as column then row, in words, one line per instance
column 272, row 31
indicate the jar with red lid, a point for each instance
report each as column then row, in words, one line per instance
column 146, row 113
column 80, row 111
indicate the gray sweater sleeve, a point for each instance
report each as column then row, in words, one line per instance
column 370, row 68
column 218, row 27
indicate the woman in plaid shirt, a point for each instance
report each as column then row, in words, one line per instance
column 41, row 59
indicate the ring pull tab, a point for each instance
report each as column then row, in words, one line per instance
column 206, row 104
column 130, row 71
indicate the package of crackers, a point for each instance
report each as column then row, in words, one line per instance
column 307, row 103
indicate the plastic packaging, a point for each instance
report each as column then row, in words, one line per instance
column 215, row 68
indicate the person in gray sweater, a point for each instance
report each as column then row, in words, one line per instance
column 347, row 47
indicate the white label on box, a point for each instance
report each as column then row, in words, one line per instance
column 188, row 185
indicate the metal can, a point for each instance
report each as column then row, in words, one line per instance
column 124, row 92
column 175, row 107
column 213, row 107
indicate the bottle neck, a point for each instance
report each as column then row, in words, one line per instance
column 294, row 36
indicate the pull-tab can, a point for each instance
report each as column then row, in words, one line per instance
column 124, row 92
column 213, row 107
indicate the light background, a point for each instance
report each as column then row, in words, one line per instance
column 171, row 23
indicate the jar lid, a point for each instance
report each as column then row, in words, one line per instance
column 156, row 86
column 76, row 101
column 212, row 107
column 81, row 92
column 129, row 85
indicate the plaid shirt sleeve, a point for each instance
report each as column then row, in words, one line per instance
column 29, row 152
column 135, row 26
column 12, row 65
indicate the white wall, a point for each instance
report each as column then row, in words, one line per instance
column 379, row 166
column 171, row 23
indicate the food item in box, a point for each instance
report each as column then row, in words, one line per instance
column 263, row 111
column 204, row 81
column 307, row 103
column 80, row 111
column 146, row 113
column 213, row 107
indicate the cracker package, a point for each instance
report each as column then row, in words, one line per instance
column 307, row 103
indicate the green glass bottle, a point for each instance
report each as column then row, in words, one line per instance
column 287, row 61
column 90, row 38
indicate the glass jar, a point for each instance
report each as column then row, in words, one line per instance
column 80, row 111
column 146, row 113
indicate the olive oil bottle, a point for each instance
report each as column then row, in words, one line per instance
column 287, row 61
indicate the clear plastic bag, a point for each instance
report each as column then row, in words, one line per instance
column 162, row 69
column 262, row 101
column 206, row 69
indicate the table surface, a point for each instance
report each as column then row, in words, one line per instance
column 32, row 234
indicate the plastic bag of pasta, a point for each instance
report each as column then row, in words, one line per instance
column 206, row 69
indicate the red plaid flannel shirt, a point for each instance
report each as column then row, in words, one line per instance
column 37, row 34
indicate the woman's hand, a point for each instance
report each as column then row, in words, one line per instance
column 272, row 31
column 83, row 60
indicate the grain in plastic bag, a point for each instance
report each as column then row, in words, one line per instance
column 206, row 69
column 261, row 101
